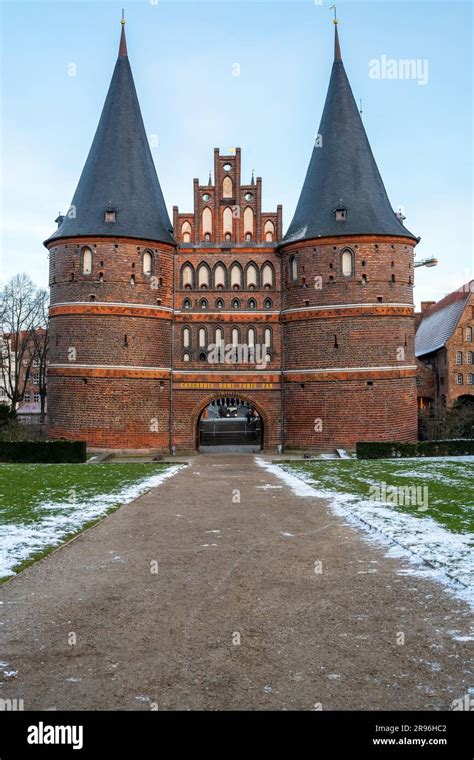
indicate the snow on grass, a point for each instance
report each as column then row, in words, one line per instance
column 23, row 540
column 433, row 550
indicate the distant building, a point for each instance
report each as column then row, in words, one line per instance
column 444, row 348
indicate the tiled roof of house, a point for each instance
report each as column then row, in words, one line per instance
column 439, row 321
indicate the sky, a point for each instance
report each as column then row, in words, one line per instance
column 242, row 74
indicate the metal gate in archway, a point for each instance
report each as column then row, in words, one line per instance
column 230, row 422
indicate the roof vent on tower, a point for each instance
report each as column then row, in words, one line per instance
column 59, row 219
column 400, row 215
column 341, row 212
column 110, row 214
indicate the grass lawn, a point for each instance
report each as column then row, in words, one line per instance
column 42, row 505
column 450, row 484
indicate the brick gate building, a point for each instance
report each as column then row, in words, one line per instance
column 150, row 322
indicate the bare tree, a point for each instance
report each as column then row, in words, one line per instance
column 19, row 313
column 40, row 342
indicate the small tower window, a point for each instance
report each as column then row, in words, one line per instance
column 293, row 268
column 236, row 303
column 186, row 337
column 186, row 304
column 252, row 303
column 147, row 263
column 267, row 303
column 267, row 276
column 202, row 337
column 186, row 357
column 341, row 213
column 203, row 304
column 186, row 232
column 251, row 336
column 86, row 261
column 219, row 304
column 269, row 231
column 347, row 263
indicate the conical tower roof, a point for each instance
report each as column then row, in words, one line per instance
column 342, row 173
column 119, row 172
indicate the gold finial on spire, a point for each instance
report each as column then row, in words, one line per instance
column 335, row 20
column 123, row 22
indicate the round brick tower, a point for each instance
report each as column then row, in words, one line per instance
column 348, row 324
column 111, row 280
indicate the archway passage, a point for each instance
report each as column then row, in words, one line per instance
column 230, row 424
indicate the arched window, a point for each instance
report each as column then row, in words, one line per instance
column 293, row 268
column 186, row 304
column 227, row 223
column 469, row 357
column 86, row 256
column 206, row 222
column 248, row 223
column 227, row 187
column 267, row 276
column 268, row 337
column 469, row 334
column 219, row 336
column 267, row 304
column 252, row 303
column 458, row 357
column 251, row 277
column 269, row 231
column 187, row 277
column 251, row 336
column 186, row 357
column 236, row 303
column 203, row 304
column 203, row 277
column 219, row 277
column 470, row 379
column 235, row 336
column 147, row 263
column 202, row 337
column 459, row 379
column 347, row 263
column 219, row 304
column 186, row 232
column 235, row 277
column 186, row 337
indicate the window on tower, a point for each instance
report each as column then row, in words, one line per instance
column 86, row 256
column 269, row 231
column 147, row 263
column 347, row 263
column 186, row 232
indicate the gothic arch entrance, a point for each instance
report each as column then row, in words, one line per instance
column 229, row 422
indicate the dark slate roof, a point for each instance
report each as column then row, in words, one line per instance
column 343, row 169
column 439, row 321
column 119, row 171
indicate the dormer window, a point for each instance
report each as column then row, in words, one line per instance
column 341, row 213
column 110, row 215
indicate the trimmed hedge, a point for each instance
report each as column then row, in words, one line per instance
column 394, row 449
column 43, row 451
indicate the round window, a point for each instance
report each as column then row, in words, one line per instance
column 206, row 197
column 248, row 196
column 227, row 167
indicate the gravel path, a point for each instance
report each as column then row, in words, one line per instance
column 236, row 616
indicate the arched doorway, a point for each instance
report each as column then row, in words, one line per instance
column 229, row 423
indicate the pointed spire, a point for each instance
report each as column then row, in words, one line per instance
column 252, row 182
column 337, row 47
column 119, row 167
column 210, row 178
column 342, row 165
column 123, row 41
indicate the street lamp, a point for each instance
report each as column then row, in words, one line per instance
column 431, row 262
